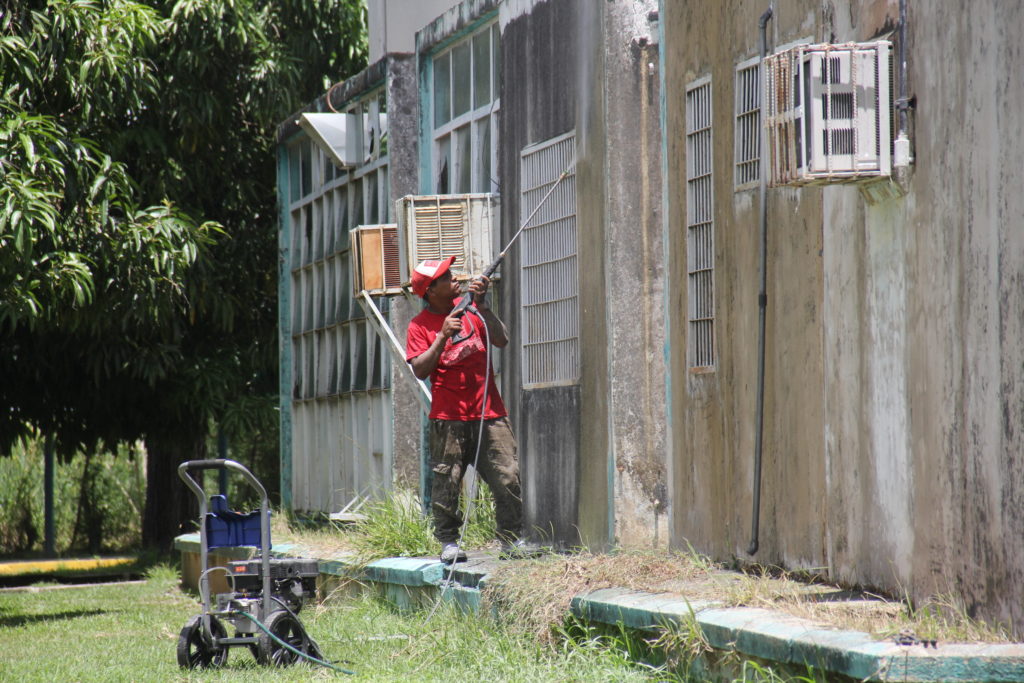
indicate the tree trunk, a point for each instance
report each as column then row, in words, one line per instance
column 171, row 509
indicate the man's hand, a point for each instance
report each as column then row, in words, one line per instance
column 478, row 286
column 452, row 326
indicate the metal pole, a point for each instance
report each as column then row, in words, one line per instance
column 50, row 527
column 222, row 453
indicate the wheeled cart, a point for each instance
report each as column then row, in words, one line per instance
column 265, row 594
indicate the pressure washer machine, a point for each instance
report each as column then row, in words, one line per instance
column 265, row 593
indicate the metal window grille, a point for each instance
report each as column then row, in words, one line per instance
column 549, row 277
column 748, row 122
column 700, row 234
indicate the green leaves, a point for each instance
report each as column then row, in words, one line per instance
column 138, row 256
column 56, row 237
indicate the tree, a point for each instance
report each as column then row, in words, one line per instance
column 121, row 322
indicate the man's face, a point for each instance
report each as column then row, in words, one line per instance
column 445, row 287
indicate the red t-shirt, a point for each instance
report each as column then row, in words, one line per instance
column 457, row 385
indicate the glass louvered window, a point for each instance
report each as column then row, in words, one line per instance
column 465, row 109
column 748, row 122
column 340, row 441
column 335, row 351
column 548, row 277
column 700, row 234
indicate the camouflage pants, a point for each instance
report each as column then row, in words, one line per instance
column 452, row 448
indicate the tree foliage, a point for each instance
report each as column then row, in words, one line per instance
column 138, row 256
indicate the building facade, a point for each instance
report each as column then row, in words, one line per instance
column 893, row 374
column 514, row 99
column 892, row 453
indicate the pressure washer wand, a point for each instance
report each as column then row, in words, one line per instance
column 466, row 299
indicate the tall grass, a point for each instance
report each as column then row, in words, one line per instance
column 105, row 516
column 395, row 526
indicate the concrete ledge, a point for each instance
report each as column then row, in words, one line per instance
column 770, row 636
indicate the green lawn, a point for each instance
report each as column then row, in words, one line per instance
column 129, row 633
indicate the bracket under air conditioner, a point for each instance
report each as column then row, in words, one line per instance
column 381, row 326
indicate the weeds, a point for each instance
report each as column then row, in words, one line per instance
column 394, row 526
column 944, row 617
column 684, row 644
column 752, row 672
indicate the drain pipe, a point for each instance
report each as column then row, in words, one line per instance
column 901, row 147
column 762, row 297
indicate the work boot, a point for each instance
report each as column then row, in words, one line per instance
column 451, row 552
column 519, row 550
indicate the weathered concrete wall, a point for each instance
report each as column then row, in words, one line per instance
column 403, row 175
column 539, row 58
column 593, row 455
column 895, row 366
column 712, row 413
column 634, row 274
column 933, row 429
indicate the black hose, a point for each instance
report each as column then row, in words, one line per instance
column 762, row 297
column 287, row 646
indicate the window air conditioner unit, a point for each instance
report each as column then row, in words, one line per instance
column 336, row 134
column 375, row 259
column 828, row 113
column 437, row 226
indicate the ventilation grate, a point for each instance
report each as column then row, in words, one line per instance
column 549, row 269
column 700, row 235
column 437, row 226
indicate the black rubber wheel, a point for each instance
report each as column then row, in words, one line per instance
column 288, row 629
column 194, row 652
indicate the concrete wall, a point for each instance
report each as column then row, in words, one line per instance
column 403, row 169
column 593, row 454
column 892, row 452
column 634, row 272
column 540, row 55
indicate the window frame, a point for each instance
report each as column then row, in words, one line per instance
column 451, row 138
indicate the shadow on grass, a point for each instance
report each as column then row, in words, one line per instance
column 14, row 621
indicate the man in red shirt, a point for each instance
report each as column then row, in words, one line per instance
column 452, row 351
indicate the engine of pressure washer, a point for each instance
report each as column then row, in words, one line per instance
column 292, row 580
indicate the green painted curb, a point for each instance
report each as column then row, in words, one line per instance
column 772, row 636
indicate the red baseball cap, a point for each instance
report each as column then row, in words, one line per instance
column 428, row 271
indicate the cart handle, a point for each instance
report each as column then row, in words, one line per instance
column 217, row 464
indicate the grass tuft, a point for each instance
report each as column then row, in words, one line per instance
column 395, row 526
